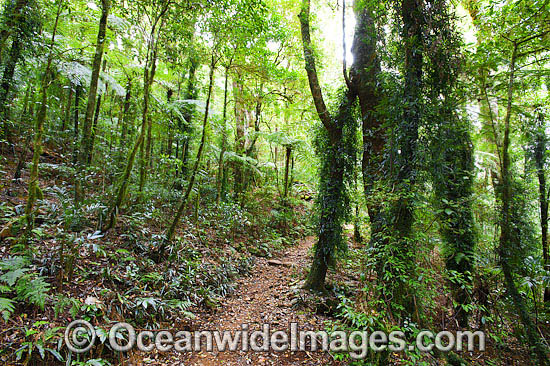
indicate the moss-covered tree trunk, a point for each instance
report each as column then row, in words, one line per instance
column 401, row 246
column 452, row 166
column 332, row 192
column 6, row 84
column 453, row 175
column 94, row 129
column 506, row 249
column 188, row 114
column 540, row 152
column 13, row 14
column 364, row 79
column 331, row 196
column 34, row 192
column 14, row 17
column 145, row 153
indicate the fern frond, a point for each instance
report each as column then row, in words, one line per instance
column 13, row 263
column 33, row 290
column 12, row 276
column 6, row 308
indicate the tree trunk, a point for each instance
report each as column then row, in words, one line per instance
column 541, row 145
column 186, row 125
column 287, row 170
column 364, row 74
column 505, row 249
column 145, row 156
column 452, row 166
column 92, row 93
column 148, row 77
column 67, row 116
column 291, row 183
column 6, row 84
column 170, row 141
column 94, row 127
column 75, row 123
column 403, row 210
column 12, row 21
column 221, row 163
column 311, row 68
column 125, row 116
column 332, row 188
column 240, row 141
column 26, row 145
column 34, row 190
column 364, row 79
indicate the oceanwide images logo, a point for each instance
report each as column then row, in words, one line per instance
column 80, row 337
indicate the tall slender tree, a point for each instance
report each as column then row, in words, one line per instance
column 149, row 72
column 86, row 151
column 34, row 190
column 198, row 160
column 540, row 156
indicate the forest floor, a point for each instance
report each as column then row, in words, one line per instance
column 269, row 295
column 114, row 271
column 245, row 278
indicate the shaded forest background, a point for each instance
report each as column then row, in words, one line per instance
column 151, row 151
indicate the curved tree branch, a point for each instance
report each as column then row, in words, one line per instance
column 311, row 70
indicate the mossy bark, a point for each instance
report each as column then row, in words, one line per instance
column 34, row 192
column 86, row 151
column 332, row 195
column 6, row 84
column 506, row 246
column 540, row 147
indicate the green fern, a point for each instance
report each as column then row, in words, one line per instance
column 11, row 277
column 6, row 308
column 13, row 263
column 4, row 289
column 33, row 290
column 28, row 286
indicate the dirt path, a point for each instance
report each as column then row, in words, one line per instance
column 268, row 295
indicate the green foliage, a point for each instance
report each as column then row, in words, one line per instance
column 433, row 186
column 33, row 290
column 28, row 287
column 337, row 162
column 522, row 235
column 7, row 307
column 41, row 337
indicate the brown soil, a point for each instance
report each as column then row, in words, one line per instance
column 267, row 296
